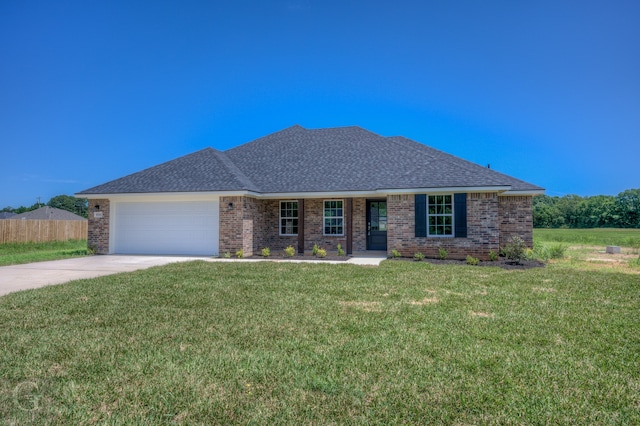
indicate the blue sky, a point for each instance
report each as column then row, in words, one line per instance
column 546, row 91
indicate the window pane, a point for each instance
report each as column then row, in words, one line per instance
column 440, row 215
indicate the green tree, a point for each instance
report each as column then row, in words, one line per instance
column 79, row 206
column 627, row 207
column 597, row 212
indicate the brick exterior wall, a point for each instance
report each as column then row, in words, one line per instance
column 98, row 231
column 359, row 224
column 516, row 218
column 482, row 229
column 253, row 224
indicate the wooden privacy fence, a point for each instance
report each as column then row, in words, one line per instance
column 39, row 231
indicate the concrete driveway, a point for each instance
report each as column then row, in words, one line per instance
column 34, row 275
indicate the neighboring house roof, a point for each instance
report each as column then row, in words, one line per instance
column 297, row 160
column 6, row 215
column 48, row 213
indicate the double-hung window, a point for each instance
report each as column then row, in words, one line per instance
column 440, row 215
column 333, row 217
column 288, row 218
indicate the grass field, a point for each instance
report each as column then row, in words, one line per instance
column 602, row 236
column 407, row 342
column 17, row 253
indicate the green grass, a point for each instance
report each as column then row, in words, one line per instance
column 600, row 236
column 17, row 253
column 284, row 343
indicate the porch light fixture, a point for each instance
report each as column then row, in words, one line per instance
column 230, row 206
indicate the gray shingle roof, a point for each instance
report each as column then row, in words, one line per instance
column 317, row 160
column 48, row 213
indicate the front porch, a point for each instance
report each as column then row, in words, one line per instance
column 251, row 224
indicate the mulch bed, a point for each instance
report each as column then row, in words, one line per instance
column 300, row 257
column 500, row 263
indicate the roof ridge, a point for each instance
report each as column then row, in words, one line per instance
column 237, row 173
column 290, row 129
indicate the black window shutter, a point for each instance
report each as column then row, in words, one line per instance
column 421, row 215
column 460, row 212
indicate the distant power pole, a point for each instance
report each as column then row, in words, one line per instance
column 38, row 201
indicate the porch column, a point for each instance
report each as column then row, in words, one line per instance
column 349, row 224
column 301, row 226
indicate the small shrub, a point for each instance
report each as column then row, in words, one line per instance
column 515, row 249
column 541, row 251
column 442, row 253
column 289, row 251
column 418, row 256
column 340, row 250
column 315, row 250
column 321, row 252
column 472, row 260
column 266, row 252
column 528, row 254
column 558, row 251
column 395, row 254
column 226, row 255
column 493, row 255
column 240, row 254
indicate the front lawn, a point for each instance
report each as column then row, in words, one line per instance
column 17, row 253
column 283, row 343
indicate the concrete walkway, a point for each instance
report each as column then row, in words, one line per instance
column 40, row 274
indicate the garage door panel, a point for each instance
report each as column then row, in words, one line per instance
column 167, row 228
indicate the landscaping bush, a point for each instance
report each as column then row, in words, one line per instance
column 515, row 250
column 418, row 256
column 289, row 251
column 321, row 253
column 266, row 252
column 442, row 253
column 472, row 260
column 395, row 254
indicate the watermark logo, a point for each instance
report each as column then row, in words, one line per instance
column 27, row 396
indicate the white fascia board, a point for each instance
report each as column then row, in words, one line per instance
column 522, row 193
column 446, row 190
column 167, row 196
column 329, row 194
column 381, row 192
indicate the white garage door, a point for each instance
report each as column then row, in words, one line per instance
column 167, row 228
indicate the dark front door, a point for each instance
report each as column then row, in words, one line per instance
column 376, row 225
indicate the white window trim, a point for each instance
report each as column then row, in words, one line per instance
column 453, row 218
column 280, row 217
column 333, row 217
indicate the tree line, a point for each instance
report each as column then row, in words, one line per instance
column 79, row 206
column 600, row 211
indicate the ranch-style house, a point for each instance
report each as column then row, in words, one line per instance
column 302, row 187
